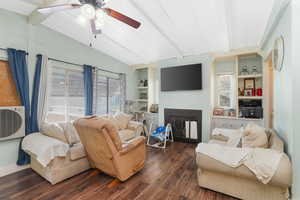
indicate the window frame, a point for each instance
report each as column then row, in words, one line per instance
column 232, row 90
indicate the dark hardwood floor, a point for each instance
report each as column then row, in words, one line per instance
column 168, row 174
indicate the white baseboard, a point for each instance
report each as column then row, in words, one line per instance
column 11, row 169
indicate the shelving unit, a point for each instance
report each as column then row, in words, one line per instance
column 250, row 62
column 142, row 89
column 234, row 64
column 146, row 95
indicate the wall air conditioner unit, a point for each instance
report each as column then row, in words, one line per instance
column 12, row 122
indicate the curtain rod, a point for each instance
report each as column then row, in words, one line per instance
column 98, row 68
column 3, row 49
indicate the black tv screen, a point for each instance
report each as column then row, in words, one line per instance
column 187, row 77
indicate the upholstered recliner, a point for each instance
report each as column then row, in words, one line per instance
column 105, row 150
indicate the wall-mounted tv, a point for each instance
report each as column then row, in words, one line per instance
column 187, row 77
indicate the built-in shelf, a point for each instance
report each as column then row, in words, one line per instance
column 250, row 119
column 142, row 100
column 250, row 76
column 250, row 97
column 236, row 118
column 142, row 88
column 223, row 117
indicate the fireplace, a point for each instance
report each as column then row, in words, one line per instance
column 186, row 124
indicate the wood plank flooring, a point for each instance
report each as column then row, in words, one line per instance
column 168, row 174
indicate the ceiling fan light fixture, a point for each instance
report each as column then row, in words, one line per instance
column 100, row 14
column 88, row 11
column 99, row 24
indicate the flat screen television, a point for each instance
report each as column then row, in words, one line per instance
column 187, row 77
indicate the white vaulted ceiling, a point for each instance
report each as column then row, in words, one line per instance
column 170, row 28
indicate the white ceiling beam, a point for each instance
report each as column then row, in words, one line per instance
column 34, row 2
column 228, row 10
column 149, row 19
column 125, row 48
column 36, row 17
column 278, row 9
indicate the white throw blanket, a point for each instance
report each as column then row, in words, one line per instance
column 262, row 162
column 45, row 148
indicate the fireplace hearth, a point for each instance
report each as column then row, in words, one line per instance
column 186, row 124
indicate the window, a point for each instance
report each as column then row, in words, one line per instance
column 100, row 94
column 107, row 96
column 114, row 90
column 66, row 98
column 225, row 90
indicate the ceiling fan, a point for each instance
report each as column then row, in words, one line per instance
column 94, row 11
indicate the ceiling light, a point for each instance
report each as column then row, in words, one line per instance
column 81, row 20
column 100, row 14
column 88, row 11
column 99, row 24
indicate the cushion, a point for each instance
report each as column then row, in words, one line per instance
column 114, row 122
column 114, row 135
column 254, row 136
column 71, row 133
column 122, row 119
column 54, row 130
column 77, row 151
column 126, row 135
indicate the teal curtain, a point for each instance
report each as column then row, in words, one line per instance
column 35, row 95
column 18, row 65
column 88, row 89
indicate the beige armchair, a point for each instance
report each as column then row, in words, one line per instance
column 105, row 150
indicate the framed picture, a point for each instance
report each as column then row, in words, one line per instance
column 249, row 83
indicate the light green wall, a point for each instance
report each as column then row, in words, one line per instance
column 15, row 32
column 283, row 122
column 198, row 99
column 296, row 96
column 287, row 87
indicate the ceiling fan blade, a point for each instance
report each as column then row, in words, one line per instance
column 122, row 18
column 95, row 31
column 57, row 8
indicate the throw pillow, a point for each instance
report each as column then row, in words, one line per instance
column 114, row 122
column 254, row 136
column 71, row 133
column 122, row 119
column 54, row 130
